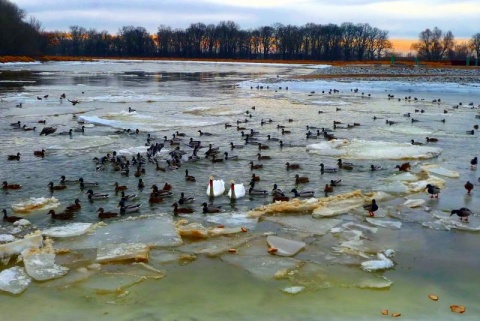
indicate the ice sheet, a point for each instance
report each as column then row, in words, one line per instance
column 69, row 230
column 14, row 280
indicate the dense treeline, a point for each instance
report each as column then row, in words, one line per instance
column 225, row 40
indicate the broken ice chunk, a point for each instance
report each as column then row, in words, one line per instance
column 30, row 241
column 285, row 247
column 382, row 263
column 123, row 252
column 41, row 266
column 14, row 280
column 69, row 230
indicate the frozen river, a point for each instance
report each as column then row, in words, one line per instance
column 320, row 258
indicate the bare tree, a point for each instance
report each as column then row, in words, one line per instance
column 475, row 44
column 433, row 44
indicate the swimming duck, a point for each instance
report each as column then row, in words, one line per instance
column 324, row 169
column 277, row 191
column 417, row 143
column 48, row 130
column 235, row 157
column 140, row 184
column 204, row 133
column 470, row 132
column 96, row 196
column 160, row 192
column 327, row 189
column 16, row 125
column 102, row 214
column 189, row 178
column 474, row 162
column 432, row 190
column 185, row 200
column 56, row 187
column 87, row 184
column 336, row 182
column 462, row 213
column 253, row 191
column 302, row 193
column 431, row 140
column 65, row 181
column 255, row 166
column 255, row 178
column 11, row 186
column 284, row 132
column 131, row 110
column 263, row 157
column 181, row 210
column 375, row 167
column 468, row 187
column 66, row 133
column 14, row 157
column 124, row 208
column 371, row 208
column 61, row 216
column 79, row 129
column 263, row 147
column 272, row 138
column 25, row 128
column 155, row 199
column 301, row 179
column 232, row 146
column 119, row 188
column 405, row 167
column 344, row 165
column 292, row 166
column 211, row 209
column 39, row 153
column 74, row 207
column 10, row 219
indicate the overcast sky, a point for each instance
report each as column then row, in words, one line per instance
column 402, row 18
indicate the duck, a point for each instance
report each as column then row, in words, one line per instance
column 274, row 139
column 140, row 184
column 56, row 187
column 263, row 157
column 160, row 192
column 124, row 208
column 284, row 132
column 65, row 181
column 61, row 216
column 189, row 178
column 131, row 110
column 371, row 208
column 468, row 187
column 16, row 125
column 66, row 133
column 211, row 209
column 344, row 165
column 474, row 162
column 432, row 190
column 301, row 179
column 292, row 166
column 280, row 198
column 10, row 186
column 255, row 166
column 79, row 129
column 255, row 178
column 181, row 210
column 336, row 182
column 96, row 196
column 375, row 167
column 119, row 188
column 204, row 133
column 27, row 129
column 236, row 190
column 405, row 167
column 470, row 132
column 462, row 213
column 253, row 191
column 102, row 214
column 263, row 146
column 39, row 153
column 302, row 193
column 153, row 199
column 324, row 169
column 167, row 187
column 233, row 146
column 87, row 184
column 431, row 140
column 185, row 200
column 417, row 143
column 74, row 207
column 48, row 130
column 14, row 157
column 328, row 189
column 10, row 219
column 227, row 157
column 277, row 191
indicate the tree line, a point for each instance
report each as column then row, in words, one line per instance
column 226, row 40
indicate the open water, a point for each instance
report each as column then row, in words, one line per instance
column 434, row 253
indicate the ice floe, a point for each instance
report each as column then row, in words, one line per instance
column 14, row 280
column 306, row 223
column 69, row 230
column 362, row 149
column 33, row 204
column 41, row 266
column 384, row 223
column 382, row 263
column 438, row 170
column 30, row 241
column 123, row 252
column 285, row 247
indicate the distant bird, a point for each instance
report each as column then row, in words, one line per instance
column 74, row 207
column 292, row 166
column 324, row 169
column 417, row 143
column 255, row 166
column 48, row 130
column 328, row 189
column 335, row 182
column 185, row 200
column 375, row 167
column 302, row 193
column 11, row 186
column 371, row 208
column 39, row 153
column 130, row 110
column 102, row 214
column 468, row 187
column 61, row 216
column 405, row 167
column 277, row 191
column 56, row 187
column 431, row 140
column 462, row 213
column 344, row 165
column 96, row 196
column 432, row 190
column 74, row 102
column 14, row 157
column 64, row 180
column 10, row 219
column 124, row 208
column 474, row 162
column 119, row 188
column 207, row 209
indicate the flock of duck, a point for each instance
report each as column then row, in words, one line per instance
column 183, row 150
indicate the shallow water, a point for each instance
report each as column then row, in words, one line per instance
column 188, row 97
